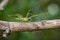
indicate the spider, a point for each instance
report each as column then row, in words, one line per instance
column 26, row 18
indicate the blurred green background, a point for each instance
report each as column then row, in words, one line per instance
column 45, row 9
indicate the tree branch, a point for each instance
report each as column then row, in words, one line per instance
column 29, row 26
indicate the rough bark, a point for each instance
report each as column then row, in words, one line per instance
column 29, row 26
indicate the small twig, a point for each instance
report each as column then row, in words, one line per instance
column 3, row 4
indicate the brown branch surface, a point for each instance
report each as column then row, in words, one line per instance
column 29, row 26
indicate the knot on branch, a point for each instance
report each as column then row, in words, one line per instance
column 5, row 25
